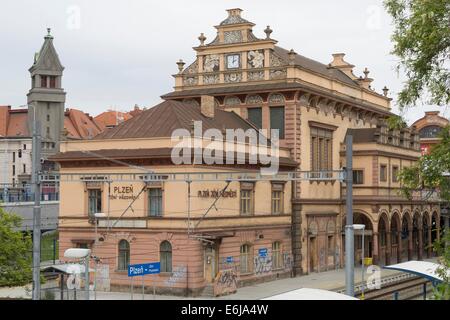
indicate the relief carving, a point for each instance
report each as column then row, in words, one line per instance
column 211, row 63
column 255, row 59
column 232, row 36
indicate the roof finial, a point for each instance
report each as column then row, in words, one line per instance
column 366, row 73
column 202, row 39
column 48, row 36
column 268, row 31
column 180, row 64
column 385, row 91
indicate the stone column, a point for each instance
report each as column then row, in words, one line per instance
column 375, row 252
column 297, row 239
column 429, row 248
column 419, row 254
column 410, row 244
column 388, row 249
column 399, row 246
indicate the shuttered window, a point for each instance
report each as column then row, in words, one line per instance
column 321, row 151
column 277, row 120
column 255, row 116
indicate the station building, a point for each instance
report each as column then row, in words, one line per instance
column 314, row 106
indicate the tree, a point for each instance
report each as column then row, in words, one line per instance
column 442, row 290
column 431, row 172
column 422, row 42
column 15, row 252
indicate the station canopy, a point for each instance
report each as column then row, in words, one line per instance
column 310, row 294
column 423, row 269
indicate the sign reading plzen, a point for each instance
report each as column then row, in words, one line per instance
column 143, row 269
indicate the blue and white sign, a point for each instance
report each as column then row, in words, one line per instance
column 143, row 269
column 262, row 252
column 229, row 259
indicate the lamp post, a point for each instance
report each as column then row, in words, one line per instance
column 97, row 215
column 361, row 227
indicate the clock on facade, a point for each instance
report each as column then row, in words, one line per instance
column 233, row 61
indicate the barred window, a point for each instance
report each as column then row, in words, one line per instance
column 321, row 150
column 124, row 255
column 246, row 259
column 358, row 176
column 383, row 172
column 277, row 261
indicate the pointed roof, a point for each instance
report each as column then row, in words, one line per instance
column 164, row 118
column 47, row 58
column 234, row 17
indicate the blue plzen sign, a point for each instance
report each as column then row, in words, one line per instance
column 262, row 252
column 229, row 259
column 143, row 269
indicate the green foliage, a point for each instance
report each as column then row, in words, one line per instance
column 15, row 252
column 396, row 122
column 442, row 290
column 422, row 42
column 430, row 173
column 47, row 243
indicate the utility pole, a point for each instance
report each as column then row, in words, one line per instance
column 36, row 157
column 349, row 233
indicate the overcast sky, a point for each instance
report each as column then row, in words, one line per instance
column 121, row 53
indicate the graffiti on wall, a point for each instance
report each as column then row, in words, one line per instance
column 225, row 282
column 262, row 265
column 178, row 274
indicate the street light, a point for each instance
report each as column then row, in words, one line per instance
column 97, row 215
column 361, row 227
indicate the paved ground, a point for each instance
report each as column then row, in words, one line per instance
column 330, row 280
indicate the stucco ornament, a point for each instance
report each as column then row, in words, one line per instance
column 211, row 63
column 232, row 36
column 211, row 79
column 256, row 59
column 254, row 76
column 233, row 77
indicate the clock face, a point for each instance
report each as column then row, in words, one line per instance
column 233, row 61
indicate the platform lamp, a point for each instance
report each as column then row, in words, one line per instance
column 97, row 215
column 361, row 227
column 79, row 253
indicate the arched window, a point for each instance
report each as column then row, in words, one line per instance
column 165, row 253
column 276, row 255
column 124, row 255
column 246, row 261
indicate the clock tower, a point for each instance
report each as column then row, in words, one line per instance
column 46, row 97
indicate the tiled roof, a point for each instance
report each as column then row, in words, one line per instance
column 80, row 126
column 164, row 118
column 129, row 154
column 315, row 66
column 112, row 118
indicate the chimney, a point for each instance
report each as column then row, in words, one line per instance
column 207, row 106
column 339, row 63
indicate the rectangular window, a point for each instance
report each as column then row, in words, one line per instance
column 255, row 116
column 52, row 81
column 246, row 260
column 24, row 168
column 155, row 202
column 277, row 198
column 48, row 131
column 330, row 245
column 44, row 81
column 321, row 151
column 24, row 147
column 394, row 173
column 247, row 198
column 95, row 201
column 14, row 170
column 358, row 176
column 383, row 172
column 14, row 156
column 277, row 261
column 48, row 117
column 277, row 120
